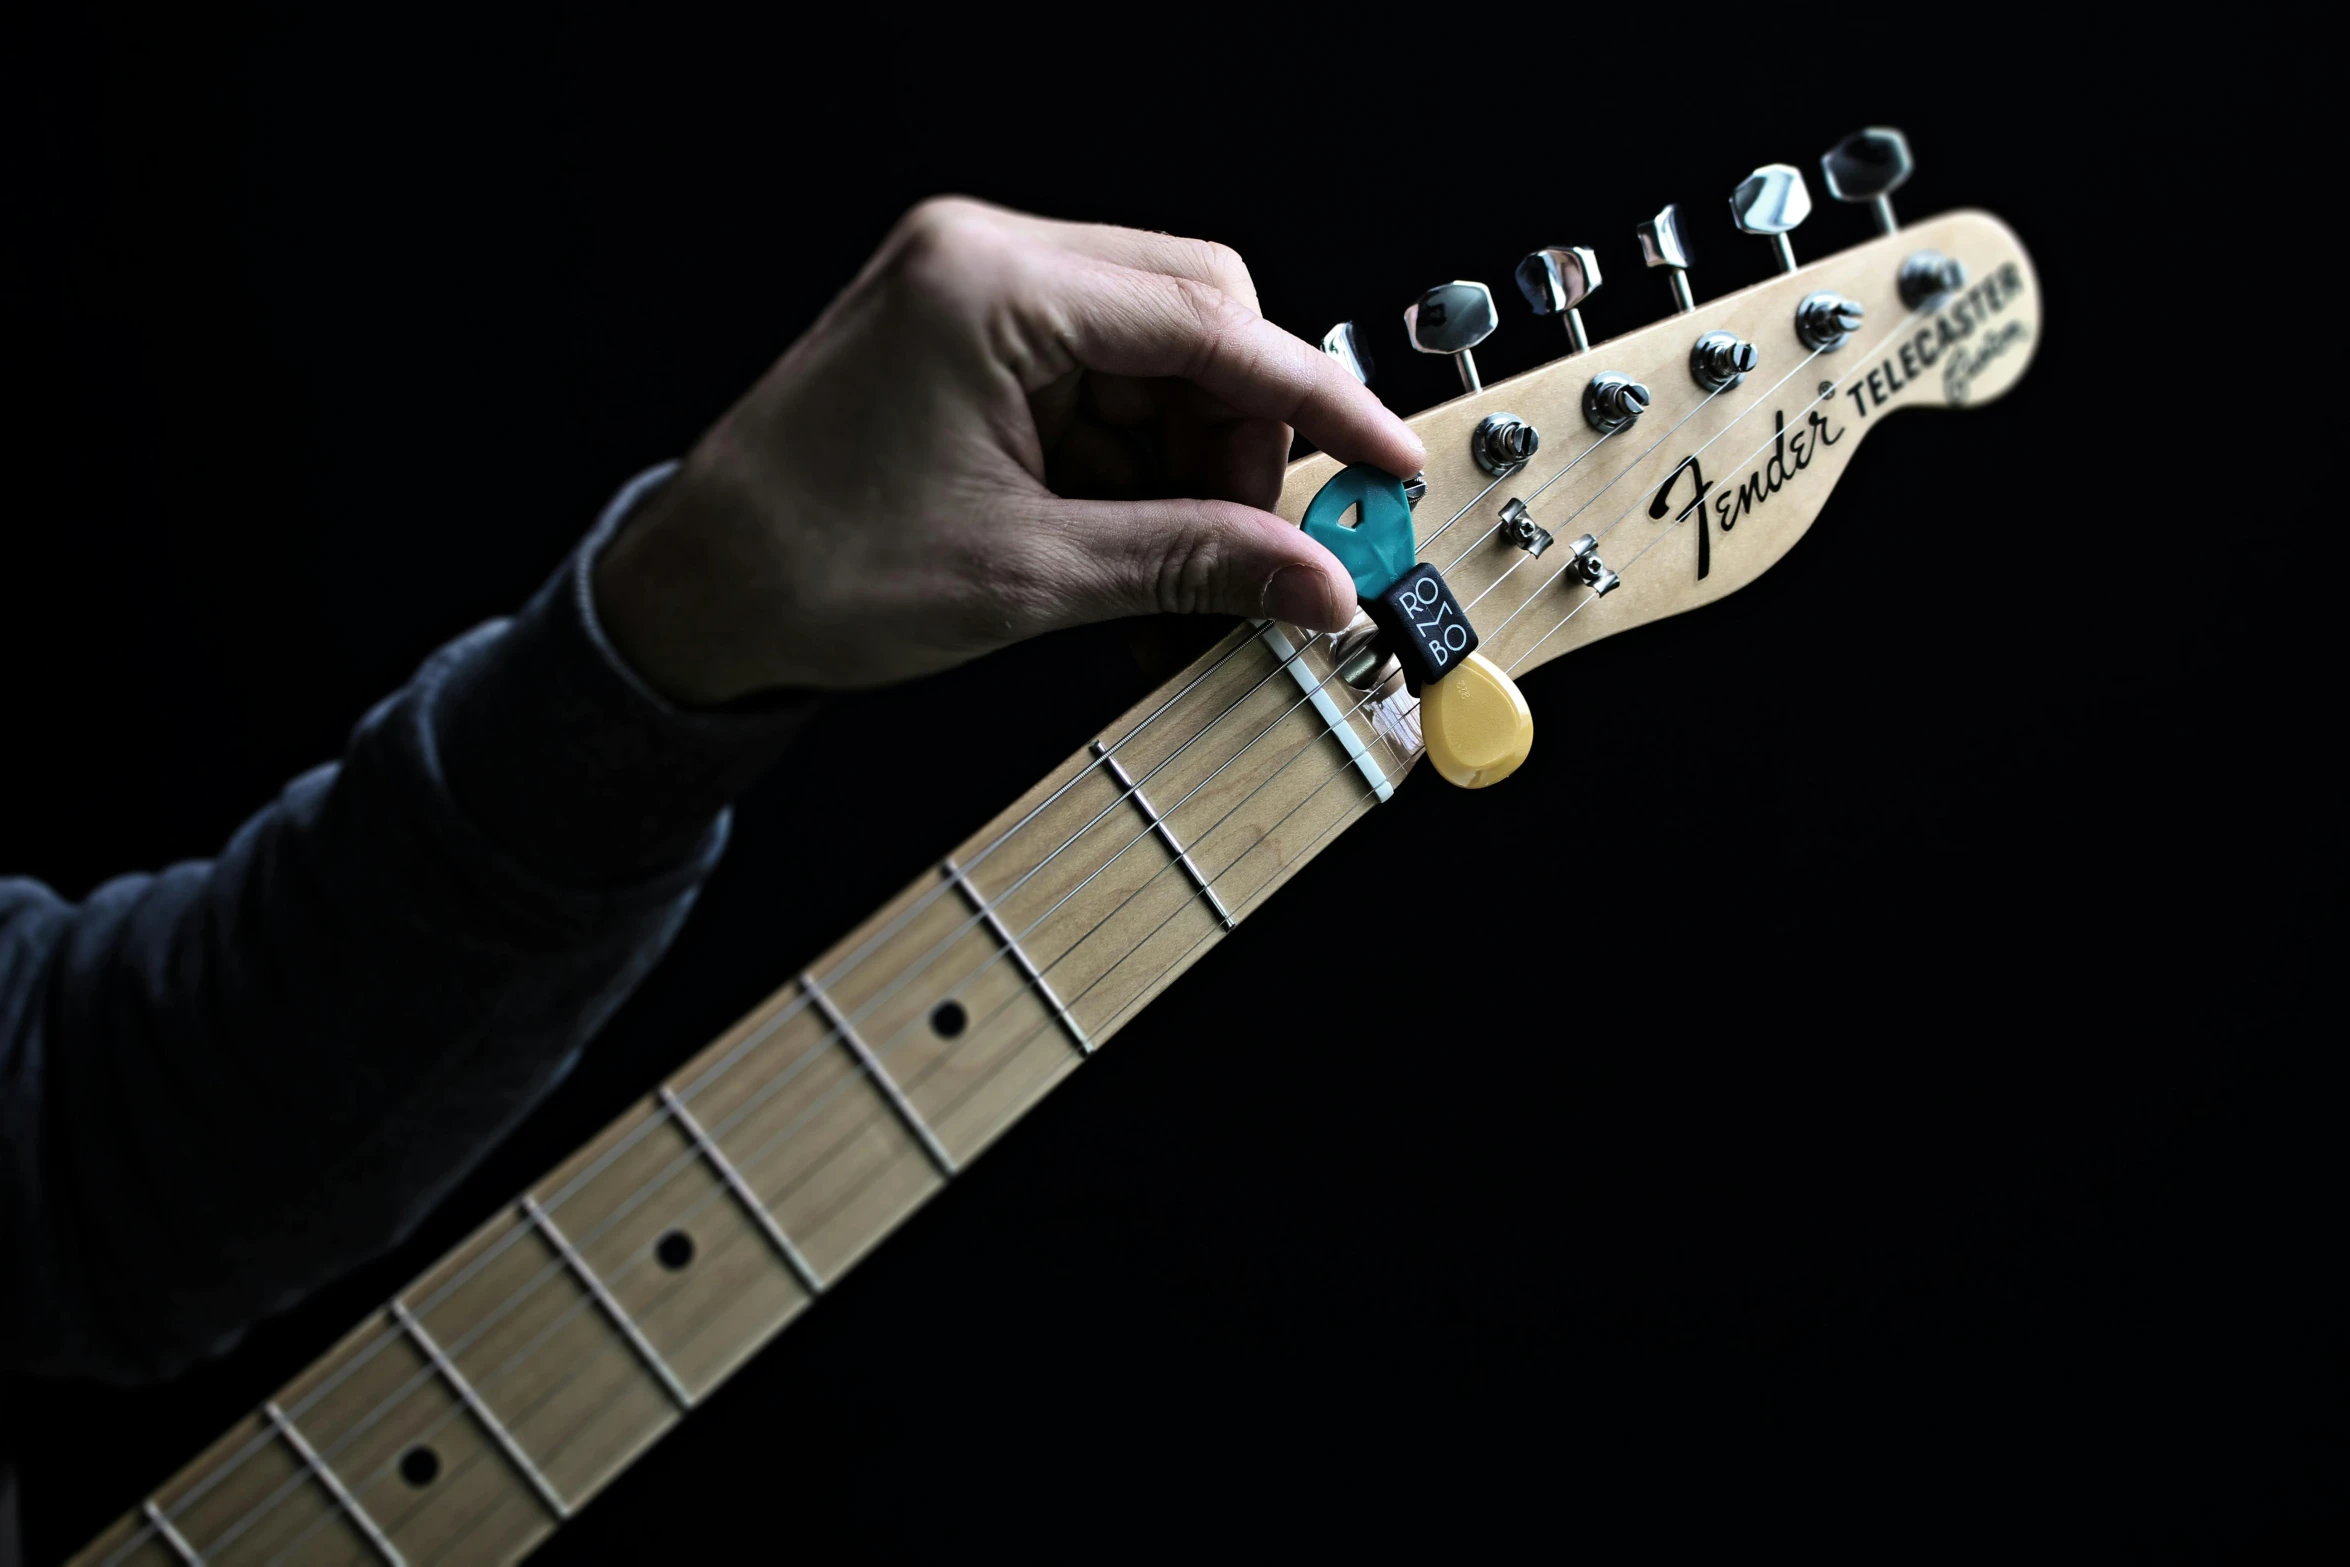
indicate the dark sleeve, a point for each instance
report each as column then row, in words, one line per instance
column 223, row 1084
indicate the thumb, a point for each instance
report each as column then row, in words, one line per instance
column 1196, row 557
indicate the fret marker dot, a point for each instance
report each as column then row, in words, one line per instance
column 948, row 1018
column 420, row 1466
column 674, row 1249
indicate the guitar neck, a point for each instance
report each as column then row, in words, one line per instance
column 517, row 1376
column 520, row 1373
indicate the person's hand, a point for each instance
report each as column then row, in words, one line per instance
column 1004, row 425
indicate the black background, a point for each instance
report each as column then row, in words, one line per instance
column 1880, row 1049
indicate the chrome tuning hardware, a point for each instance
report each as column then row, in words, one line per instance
column 1928, row 275
column 1415, row 490
column 1613, row 400
column 1556, row 280
column 1825, row 320
column 1519, row 527
column 1661, row 245
column 1344, row 344
column 1453, row 318
column 1868, row 166
column 1720, row 361
column 1771, row 201
column 1503, row 442
column 1359, row 658
column 1590, row 570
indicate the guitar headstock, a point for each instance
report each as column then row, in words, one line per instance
column 1717, row 476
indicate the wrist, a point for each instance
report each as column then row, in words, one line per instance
column 657, row 587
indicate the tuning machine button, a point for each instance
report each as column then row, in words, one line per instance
column 1519, row 527
column 1502, row 443
column 1825, row 320
column 1452, row 318
column 1661, row 245
column 1344, row 344
column 1771, row 201
column 1720, row 361
column 1613, row 400
column 1556, row 280
column 1928, row 275
column 1868, row 166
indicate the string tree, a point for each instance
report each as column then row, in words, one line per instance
column 1772, row 201
column 1452, row 319
column 1556, row 280
column 1585, row 566
column 1662, row 245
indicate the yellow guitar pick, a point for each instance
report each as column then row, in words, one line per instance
column 1475, row 724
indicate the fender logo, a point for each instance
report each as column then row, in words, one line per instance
column 1790, row 455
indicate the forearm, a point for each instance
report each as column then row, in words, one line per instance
column 245, row 1076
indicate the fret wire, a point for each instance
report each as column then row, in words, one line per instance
column 888, row 1086
column 481, row 1412
column 162, row 1525
column 1027, row 964
column 1166, row 834
column 768, row 1225
column 334, row 1485
column 612, row 1308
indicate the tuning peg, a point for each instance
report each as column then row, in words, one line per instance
column 1772, row 200
column 1868, row 166
column 1453, row 318
column 1344, row 344
column 1557, row 279
column 1661, row 245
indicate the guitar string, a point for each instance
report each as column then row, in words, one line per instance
column 1536, row 493
column 334, row 1447
column 784, row 1135
column 718, row 1194
column 659, row 1116
column 888, row 1047
column 847, row 965
column 1009, row 1053
column 1739, row 419
column 906, row 976
column 1827, row 389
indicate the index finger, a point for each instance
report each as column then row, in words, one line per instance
column 1125, row 322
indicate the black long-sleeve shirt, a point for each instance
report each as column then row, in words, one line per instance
column 225, row 1083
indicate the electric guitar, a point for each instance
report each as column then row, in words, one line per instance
column 493, row 1397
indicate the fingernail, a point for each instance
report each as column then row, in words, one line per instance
column 1301, row 596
